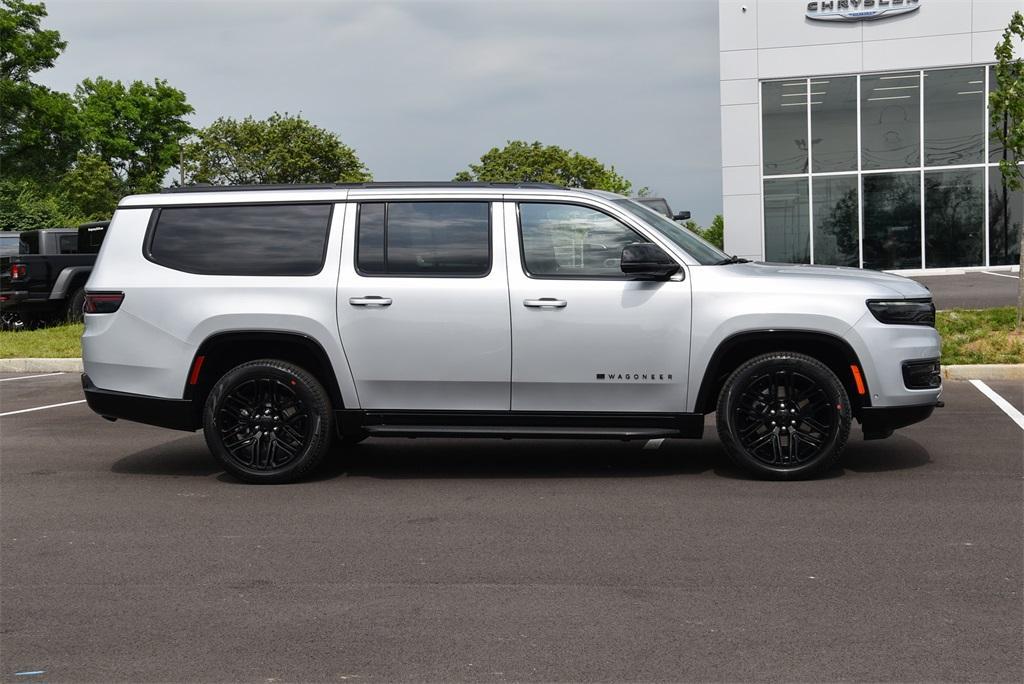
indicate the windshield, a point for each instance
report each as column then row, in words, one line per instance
column 704, row 252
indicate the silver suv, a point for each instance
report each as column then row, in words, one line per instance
column 280, row 320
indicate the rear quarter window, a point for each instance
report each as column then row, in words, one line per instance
column 259, row 239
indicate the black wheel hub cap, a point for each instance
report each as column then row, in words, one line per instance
column 263, row 424
column 784, row 418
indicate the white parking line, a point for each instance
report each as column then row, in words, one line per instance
column 1008, row 408
column 42, row 408
column 1001, row 275
column 29, row 377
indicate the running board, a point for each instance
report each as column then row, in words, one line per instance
column 518, row 432
column 517, row 424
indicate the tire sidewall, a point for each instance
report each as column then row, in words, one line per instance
column 307, row 389
column 76, row 306
column 821, row 374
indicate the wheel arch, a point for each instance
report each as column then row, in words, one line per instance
column 70, row 279
column 738, row 348
column 223, row 351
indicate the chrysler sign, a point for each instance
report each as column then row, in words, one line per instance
column 859, row 10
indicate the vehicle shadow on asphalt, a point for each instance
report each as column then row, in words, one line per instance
column 518, row 459
column 183, row 457
column 884, row 455
column 524, row 459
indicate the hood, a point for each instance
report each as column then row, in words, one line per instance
column 829, row 277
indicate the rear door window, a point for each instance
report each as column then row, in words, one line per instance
column 257, row 239
column 436, row 239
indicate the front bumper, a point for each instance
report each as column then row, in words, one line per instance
column 878, row 422
column 177, row 414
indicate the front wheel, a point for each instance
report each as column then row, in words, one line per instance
column 784, row 416
column 268, row 422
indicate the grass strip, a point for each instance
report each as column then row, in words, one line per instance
column 969, row 336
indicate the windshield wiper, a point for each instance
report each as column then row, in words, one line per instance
column 732, row 260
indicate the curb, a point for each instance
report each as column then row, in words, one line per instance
column 989, row 371
column 40, row 365
column 985, row 371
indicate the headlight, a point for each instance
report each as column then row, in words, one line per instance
column 903, row 311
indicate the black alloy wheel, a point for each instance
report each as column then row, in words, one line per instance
column 784, row 416
column 268, row 421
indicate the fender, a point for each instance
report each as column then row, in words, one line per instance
column 64, row 280
column 233, row 347
column 832, row 350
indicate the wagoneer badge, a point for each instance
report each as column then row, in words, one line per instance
column 859, row 10
column 648, row 377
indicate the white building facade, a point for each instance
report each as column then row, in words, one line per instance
column 864, row 142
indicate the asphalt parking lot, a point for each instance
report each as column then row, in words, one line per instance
column 972, row 290
column 128, row 556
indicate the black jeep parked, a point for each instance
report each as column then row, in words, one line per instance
column 43, row 273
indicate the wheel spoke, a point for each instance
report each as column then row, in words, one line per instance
column 263, row 424
column 809, row 439
column 783, row 417
column 815, row 425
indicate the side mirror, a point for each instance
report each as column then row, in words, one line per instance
column 681, row 216
column 647, row 261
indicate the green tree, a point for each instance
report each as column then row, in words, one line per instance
column 1006, row 105
column 39, row 130
column 24, row 206
column 92, row 188
column 136, row 129
column 24, row 47
column 279, row 149
column 715, row 233
column 522, row 162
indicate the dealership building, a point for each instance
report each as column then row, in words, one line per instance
column 856, row 133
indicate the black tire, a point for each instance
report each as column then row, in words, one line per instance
column 76, row 306
column 784, row 416
column 268, row 422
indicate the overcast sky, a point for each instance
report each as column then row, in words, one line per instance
column 421, row 89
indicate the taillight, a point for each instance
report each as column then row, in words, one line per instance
column 19, row 271
column 103, row 302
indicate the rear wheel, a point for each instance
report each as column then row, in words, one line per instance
column 268, row 421
column 76, row 306
column 784, row 416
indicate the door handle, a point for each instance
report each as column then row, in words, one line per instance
column 545, row 302
column 370, row 300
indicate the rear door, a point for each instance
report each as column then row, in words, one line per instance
column 423, row 307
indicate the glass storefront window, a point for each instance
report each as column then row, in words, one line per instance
column 786, row 221
column 954, row 218
column 835, row 221
column 889, row 119
column 995, row 148
column 1006, row 216
column 954, row 116
column 834, row 124
column 784, row 126
column 892, row 220
column 901, row 186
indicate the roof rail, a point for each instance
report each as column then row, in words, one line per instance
column 205, row 187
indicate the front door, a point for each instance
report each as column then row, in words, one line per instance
column 423, row 304
column 584, row 336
